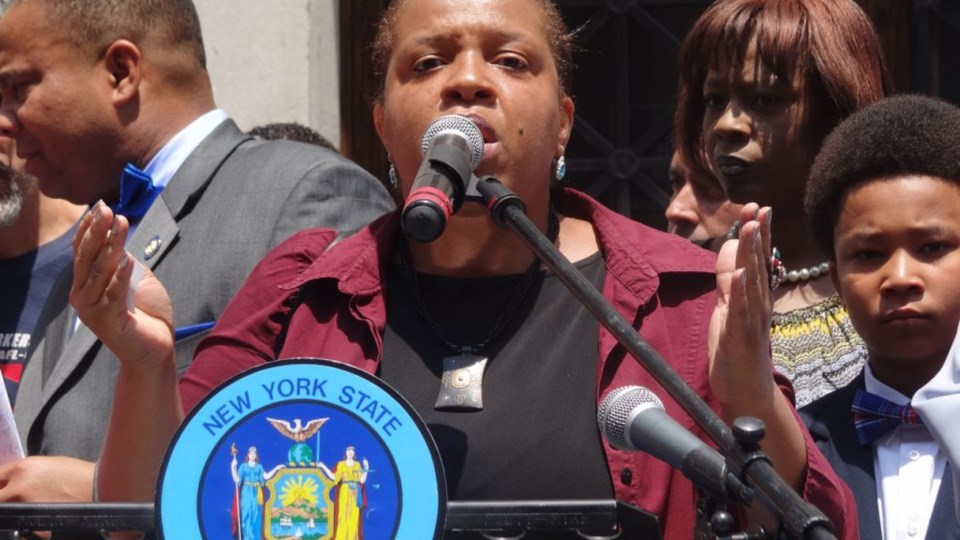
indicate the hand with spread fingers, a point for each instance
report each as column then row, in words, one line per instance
column 140, row 332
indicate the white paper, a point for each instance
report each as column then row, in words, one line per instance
column 10, row 449
column 138, row 272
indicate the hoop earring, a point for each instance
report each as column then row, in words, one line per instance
column 560, row 169
column 392, row 176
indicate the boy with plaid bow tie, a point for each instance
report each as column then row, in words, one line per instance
column 883, row 200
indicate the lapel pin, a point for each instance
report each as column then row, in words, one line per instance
column 153, row 247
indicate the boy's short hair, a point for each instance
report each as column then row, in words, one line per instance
column 897, row 136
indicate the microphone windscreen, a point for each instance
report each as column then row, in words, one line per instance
column 618, row 408
column 462, row 126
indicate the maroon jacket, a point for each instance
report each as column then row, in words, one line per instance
column 663, row 284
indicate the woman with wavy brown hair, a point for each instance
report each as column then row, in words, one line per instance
column 762, row 82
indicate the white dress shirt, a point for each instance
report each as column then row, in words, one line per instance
column 169, row 159
column 908, row 467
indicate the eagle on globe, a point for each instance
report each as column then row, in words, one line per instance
column 300, row 453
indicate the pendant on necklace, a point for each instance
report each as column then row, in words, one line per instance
column 461, row 386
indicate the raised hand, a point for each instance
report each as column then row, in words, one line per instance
column 741, row 369
column 739, row 346
column 138, row 326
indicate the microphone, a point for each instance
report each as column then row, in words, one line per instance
column 632, row 418
column 452, row 148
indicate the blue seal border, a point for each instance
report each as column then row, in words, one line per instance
column 421, row 477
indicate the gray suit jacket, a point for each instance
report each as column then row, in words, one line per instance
column 234, row 199
column 830, row 421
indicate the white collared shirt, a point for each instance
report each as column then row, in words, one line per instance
column 168, row 160
column 908, row 467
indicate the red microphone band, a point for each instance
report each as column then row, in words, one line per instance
column 431, row 194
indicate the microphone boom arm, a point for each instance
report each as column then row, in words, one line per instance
column 800, row 518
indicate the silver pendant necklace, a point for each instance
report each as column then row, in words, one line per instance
column 461, row 382
column 461, row 385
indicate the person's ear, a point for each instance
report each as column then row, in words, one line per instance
column 378, row 118
column 123, row 62
column 566, row 123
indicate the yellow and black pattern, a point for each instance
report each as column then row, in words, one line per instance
column 817, row 348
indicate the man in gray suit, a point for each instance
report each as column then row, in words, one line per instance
column 95, row 91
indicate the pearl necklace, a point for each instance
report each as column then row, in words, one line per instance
column 809, row 273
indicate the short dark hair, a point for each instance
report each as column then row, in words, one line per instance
column 895, row 137
column 831, row 43
column 292, row 131
column 92, row 25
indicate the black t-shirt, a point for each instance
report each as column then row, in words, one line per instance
column 537, row 436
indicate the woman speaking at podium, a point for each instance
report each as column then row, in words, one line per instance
column 409, row 312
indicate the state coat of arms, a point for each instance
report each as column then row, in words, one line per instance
column 305, row 449
column 305, row 499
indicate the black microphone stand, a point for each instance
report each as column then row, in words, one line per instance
column 800, row 519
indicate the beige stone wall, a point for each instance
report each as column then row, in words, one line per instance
column 274, row 61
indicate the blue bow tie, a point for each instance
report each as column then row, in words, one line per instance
column 137, row 193
column 874, row 416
